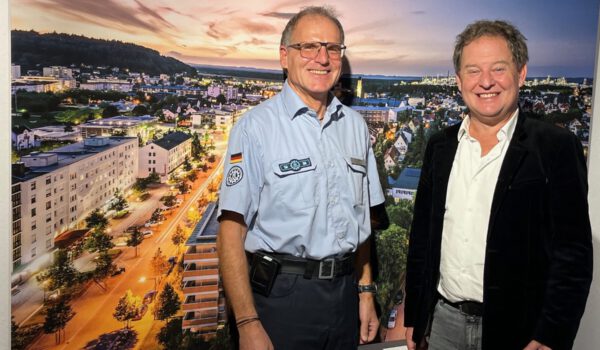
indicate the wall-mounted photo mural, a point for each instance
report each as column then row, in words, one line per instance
column 121, row 114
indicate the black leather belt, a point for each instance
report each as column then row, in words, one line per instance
column 471, row 308
column 324, row 269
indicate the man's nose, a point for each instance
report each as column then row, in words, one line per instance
column 486, row 80
column 322, row 55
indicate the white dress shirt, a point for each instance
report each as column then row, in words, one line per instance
column 467, row 213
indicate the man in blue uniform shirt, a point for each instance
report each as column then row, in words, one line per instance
column 299, row 179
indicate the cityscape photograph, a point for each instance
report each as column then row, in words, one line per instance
column 120, row 118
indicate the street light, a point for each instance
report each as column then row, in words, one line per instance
column 143, row 279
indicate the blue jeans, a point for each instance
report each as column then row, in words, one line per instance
column 454, row 330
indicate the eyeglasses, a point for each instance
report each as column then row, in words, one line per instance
column 310, row 50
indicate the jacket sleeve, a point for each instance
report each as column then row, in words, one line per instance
column 419, row 241
column 570, row 270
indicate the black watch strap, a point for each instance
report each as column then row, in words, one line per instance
column 367, row 288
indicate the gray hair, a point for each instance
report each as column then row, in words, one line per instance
column 514, row 39
column 323, row 11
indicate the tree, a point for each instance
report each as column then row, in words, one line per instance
column 156, row 215
column 221, row 99
column 172, row 337
column 401, row 213
column 183, row 187
column 98, row 241
column 186, row 164
column 168, row 200
column 110, row 111
column 392, row 247
column 178, row 237
column 58, row 314
column 118, row 203
column 160, row 264
column 127, row 308
column 96, row 219
column 197, row 149
column 168, row 303
column 135, row 239
column 192, row 176
column 61, row 274
column 153, row 178
column 139, row 110
column 104, row 269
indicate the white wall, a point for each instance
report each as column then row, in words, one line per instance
column 5, row 205
column 589, row 336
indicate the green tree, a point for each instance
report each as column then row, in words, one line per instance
column 61, row 274
column 127, row 308
column 58, row 314
column 96, row 220
column 168, row 303
column 192, row 176
column 139, row 110
column 156, row 215
column 153, row 178
column 104, row 269
column 178, row 238
column 186, row 164
column 183, row 187
column 17, row 340
column 110, row 111
column 118, row 203
column 172, row 337
column 135, row 239
column 98, row 241
column 196, row 150
column 401, row 213
column 168, row 200
column 160, row 264
column 392, row 247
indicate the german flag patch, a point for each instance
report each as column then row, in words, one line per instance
column 235, row 158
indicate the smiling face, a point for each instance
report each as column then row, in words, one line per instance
column 489, row 80
column 312, row 79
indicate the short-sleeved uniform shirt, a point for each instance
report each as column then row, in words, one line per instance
column 304, row 187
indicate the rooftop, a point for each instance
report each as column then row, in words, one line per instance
column 207, row 228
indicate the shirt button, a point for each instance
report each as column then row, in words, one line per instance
column 341, row 235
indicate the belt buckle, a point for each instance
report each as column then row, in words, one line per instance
column 326, row 269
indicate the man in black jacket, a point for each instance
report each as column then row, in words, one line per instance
column 500, row 253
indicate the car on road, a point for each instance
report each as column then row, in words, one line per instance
column 130, row 229
column 140, row 312
column 119, row 270
column 146, row 233
column 149, row 297
column 392, row 319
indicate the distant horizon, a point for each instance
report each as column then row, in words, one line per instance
column 398, row 37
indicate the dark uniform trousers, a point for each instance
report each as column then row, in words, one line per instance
column 307, row 314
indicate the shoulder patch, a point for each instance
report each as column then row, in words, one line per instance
column 234, row 175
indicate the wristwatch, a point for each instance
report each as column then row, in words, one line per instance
column 367, row 288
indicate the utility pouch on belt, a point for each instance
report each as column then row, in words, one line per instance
column 263, row 271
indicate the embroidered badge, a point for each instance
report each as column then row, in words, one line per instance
column 295, row 165
column 235, row 158
column 234, row 175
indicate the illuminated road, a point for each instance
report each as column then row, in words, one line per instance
column 95, row 307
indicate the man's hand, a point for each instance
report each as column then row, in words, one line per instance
column 411, row 345
column 535, row 345
column 369, row 324
column 254, row 337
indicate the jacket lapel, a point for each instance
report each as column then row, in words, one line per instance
column 511, row 164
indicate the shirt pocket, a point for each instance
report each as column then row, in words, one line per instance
column 357, row 171
column 295, row 182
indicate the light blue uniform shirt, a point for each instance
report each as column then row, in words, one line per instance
column 303, row 187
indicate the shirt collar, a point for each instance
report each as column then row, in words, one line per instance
column 294, row 105
column 505, row 133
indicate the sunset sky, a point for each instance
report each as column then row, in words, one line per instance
column 392, row 37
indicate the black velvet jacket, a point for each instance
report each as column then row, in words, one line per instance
column 538, row 258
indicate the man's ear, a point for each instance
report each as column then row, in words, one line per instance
column 458, row 82
column 283, row 55
column 522, row 75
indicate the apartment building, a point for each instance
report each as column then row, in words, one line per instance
column 53, row 192
column 204, row 301
column 123, row 125
column 165, row 155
